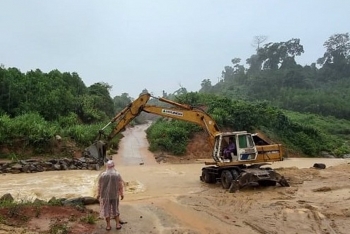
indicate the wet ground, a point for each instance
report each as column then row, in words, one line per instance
column 170, row 198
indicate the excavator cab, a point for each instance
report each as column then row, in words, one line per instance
column 244, row 148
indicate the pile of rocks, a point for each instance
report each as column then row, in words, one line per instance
column 36, row 165
column 8, row 198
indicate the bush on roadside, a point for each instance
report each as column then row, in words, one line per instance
column 32, row 133
column 170, row 135
column 307, row 137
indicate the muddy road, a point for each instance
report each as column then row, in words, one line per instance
column 169, row 198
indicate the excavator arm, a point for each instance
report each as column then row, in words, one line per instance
column 175, row 111
column 234, row 174
column 124, row 117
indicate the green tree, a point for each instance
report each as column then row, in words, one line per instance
column 255, row 64
column 120, row 102
column 337, row 50
column 205, row 85
column 102, row 99
column 336, row 60
column 274, row 55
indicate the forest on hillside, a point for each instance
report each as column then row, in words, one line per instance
column 273, row 75
column 303, row 107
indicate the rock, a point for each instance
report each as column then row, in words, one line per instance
column 65, row 160
column 82, row 160
column 17, row 166
column 73, row 201
column 53, row 161
column 52, row 200
column 64, row 167
column 39, row 168
column 38, row 201
column 32, row 168
column 89, row 200
column 32, row 160
column 320, row 166
column 326, row 154
column 15, row 171
column 6, row 198
column 346, row 156
column 25, row 168
column 7, row 170
column 34, row 165
column 47, row 164
column 55, row 201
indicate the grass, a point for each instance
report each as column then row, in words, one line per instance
column 58, row 227
column 330, row 125
column 2, row 219
column 63, row 220
column 14, row 211
column 37, row 210
column 89, row 218
column 336, row 130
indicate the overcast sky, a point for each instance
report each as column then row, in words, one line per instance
column 157, row 44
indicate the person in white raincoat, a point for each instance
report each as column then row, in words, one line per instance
column 110, row 188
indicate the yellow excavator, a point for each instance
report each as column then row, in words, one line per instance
column 242, row 168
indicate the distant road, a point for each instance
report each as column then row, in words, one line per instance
column 133, row 147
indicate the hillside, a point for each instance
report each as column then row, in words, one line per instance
column 304, row 107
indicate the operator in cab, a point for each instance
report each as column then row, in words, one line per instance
column 231, row 148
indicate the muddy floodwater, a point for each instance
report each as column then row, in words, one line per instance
column 144, row 175
column 170, row 198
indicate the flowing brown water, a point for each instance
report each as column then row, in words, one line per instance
column 146, row 178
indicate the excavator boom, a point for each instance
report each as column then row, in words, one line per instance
column 175, row 111
column 222, row 169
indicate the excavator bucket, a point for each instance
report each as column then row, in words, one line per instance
column 257, row 177
column 96, row 151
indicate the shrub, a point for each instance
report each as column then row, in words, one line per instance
column 58, row 227
column 89, row 218
column 305, row 133
column 170, row 136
